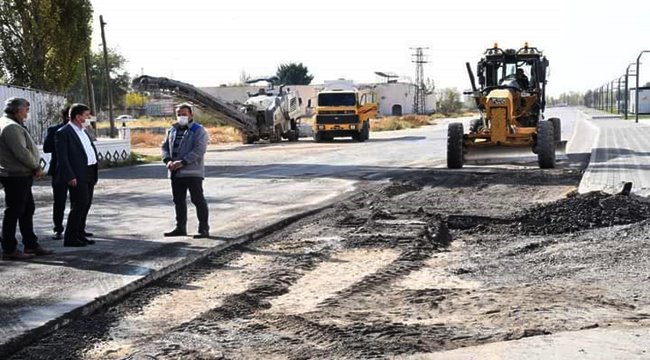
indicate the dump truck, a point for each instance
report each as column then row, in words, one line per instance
column 344, row 109
column 271, row 116
column 510, row 97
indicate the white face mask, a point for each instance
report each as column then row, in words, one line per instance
column 182, row 120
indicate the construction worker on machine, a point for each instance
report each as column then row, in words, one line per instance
column 521, row 78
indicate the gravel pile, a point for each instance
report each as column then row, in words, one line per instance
column 581, row 212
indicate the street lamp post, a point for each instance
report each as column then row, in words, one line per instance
column 618, row 95
column 611, row 96
column 606, row 97
column 636, row 91
column 627, row 88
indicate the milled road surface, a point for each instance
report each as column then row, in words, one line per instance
column 408, row 268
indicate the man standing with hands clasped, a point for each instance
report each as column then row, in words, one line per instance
column 19, row 165
column 182, row 152
column 76, row 167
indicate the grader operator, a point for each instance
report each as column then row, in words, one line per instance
column 511, row 101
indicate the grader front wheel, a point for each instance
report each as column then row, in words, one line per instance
column 455, row 146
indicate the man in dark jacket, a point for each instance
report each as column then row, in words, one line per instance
column 19, row 165
column 182, row 152
column 76, row 167
column 59, row 189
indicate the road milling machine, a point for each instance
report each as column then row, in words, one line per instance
column 511, row 99
column 270, row 114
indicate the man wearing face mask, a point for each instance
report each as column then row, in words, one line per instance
column 182, row 152
column 19, row 165
column 76, row 167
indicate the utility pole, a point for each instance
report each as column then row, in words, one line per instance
column 108, row 79
column 420, row 99
column 90, row 91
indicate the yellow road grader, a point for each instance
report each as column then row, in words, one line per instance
column 511, row 99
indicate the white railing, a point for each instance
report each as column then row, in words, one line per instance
column 115, row 150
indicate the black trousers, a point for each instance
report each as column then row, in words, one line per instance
column 19, row 210
column 81, row 197
column 60, row 193
column 180, row 186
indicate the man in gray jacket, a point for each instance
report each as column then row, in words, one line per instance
column 19, row 164
column 182, row 152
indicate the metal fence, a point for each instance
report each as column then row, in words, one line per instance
column 45, row 108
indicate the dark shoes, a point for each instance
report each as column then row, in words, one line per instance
column 86, row 240
column 176, row 232
column 16, row 255
column 74, row 243
column 87, row 234
column 57, row 236
column 39, row 251
column 204, row 234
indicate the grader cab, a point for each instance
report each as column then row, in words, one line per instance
column 511, row 99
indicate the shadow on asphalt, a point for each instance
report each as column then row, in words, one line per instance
column 323, row 171
column 110, row 259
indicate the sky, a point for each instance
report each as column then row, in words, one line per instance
column 209, row 43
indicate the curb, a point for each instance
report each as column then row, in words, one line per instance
column 14, row 345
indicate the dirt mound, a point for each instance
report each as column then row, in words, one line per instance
column 581, row 212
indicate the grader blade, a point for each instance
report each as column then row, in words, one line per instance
column 507, row 154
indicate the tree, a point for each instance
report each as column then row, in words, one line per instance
column 42, row 42
column 293, row 74
column 448, row 101
column 120, row 80
column 135, row 100
column 588, row 98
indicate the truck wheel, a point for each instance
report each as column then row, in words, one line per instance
column 366, row 130
column 295, row 135
column 557, row 129
column 318, row 136
column 359, row 136
column 248, row 139
column 545, row 145
column 276, row 136
column 455, row 134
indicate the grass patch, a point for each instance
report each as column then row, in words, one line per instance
column 400, row 122
column 223, row 134
column 146, row 140
column 217, row 134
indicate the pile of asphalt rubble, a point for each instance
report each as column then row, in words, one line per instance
column 581, row 212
